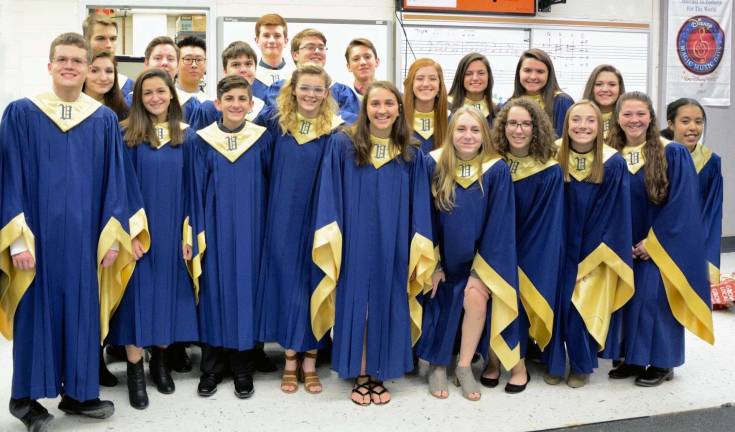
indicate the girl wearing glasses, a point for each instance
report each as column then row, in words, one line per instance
column 524, row 136
column 306, row 120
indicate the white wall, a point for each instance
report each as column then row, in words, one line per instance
column 27, row 27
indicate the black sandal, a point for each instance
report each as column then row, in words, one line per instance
column 373, row 391
column 363, row 389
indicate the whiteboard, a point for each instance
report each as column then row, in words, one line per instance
column 447, row 44
column 339, row 33
column 576, row 53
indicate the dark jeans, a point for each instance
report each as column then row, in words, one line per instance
column 218, row 360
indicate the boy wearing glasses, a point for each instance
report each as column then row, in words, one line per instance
column 65, row 238
column 192, row 67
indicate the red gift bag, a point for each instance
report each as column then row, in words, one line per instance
column 723, row 293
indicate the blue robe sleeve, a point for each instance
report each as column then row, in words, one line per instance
column 204, row 115
column 605, row 273
column 193, row 231
column 562, row 102
column 422, row 259
column 189, row 109
column 710, row 186
column 13, row 223
column 260, row 90
column 675, row 244
column 272, row 93
column 327, row 249
column 496, row 265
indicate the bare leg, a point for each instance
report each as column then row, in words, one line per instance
column 475, row 310
column 518, row 374
column 134, row 353
column 291, row 365
column 492, row 370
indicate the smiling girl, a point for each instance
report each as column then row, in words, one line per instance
column 604, row 87
column 101, row 84
column 374, row 194
column 473, row 86
column 425, row 99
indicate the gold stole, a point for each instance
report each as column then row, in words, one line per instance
column 231, row 145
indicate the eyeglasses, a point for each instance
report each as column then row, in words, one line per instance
column 318, row 91
column 75, row 61
column 512, row 124
column 193, row 60
column 314, row 48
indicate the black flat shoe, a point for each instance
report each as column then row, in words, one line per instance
column 262, row 362
column 208, row 384
column 517, row 388
column 160, row 374
column 625, row 370
column 177, row 358
column 654, row 376
column 244, row 386
column 33, row 415
column 489, row 382
column 95, row 408
column 137, row 393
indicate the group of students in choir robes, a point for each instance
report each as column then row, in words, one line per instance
column 393, row 228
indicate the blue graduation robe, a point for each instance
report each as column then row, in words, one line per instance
column 423, row 131
column 477, row 235
column 671, row 289
column 158, row 307
column 126, row 86
column 373, row 247
column 539, row 203
column 709, row 173
column 64, row 193
column 287, row 276
column 227, row 216
column 597, row 274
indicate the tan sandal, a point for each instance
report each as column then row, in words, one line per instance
column 289, row 379
column 310, row 379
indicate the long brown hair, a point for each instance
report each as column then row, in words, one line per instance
column 597, row 172
column 443, row 181
column 400, row 134
column 551, row 88
column 288, row 106
column 657, row 182
column 458, row 93
column 113, row 99
column 440, row 101
column 139, row 126
column 542, row 141
column 589, row 88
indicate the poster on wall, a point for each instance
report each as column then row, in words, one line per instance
column 698, row 59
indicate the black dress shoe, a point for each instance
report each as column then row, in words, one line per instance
column 489, row 382
column 262, row 362
column 160, row 374
column 107, row 379
column 517, row 388
column 625, row 370
column 137, row 393
column 94, row 408
column 177, row 358
column 654, row 376
column 244, row 386
column 208, row 384
column 33, row 415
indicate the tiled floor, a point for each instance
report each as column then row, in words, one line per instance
column 706, row 380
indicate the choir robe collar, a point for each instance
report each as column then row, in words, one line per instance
column 523, row 167
column 164, row 134
column 468, row 172
column 258, row 105
column 700, row 155
column 634, row 157
column 423, row 123
column 306, row 130
column 580, row 164
column 538, row 99
column 269, row 75
column 480, row 105
column 121, row 80
column 606, row 118
column 382, row 151
column 65, row 115
column 183, row 96
column 231, row 145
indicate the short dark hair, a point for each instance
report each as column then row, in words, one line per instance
column 232, row 82
column 74, row 39
column 238, row 49
column 160, row 40
column 193, row 41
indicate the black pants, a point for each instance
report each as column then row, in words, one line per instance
column 218, row 361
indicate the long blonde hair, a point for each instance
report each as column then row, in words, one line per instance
column 288, row 106
column 440, row 100
column 597, row 172
column 443, row 181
